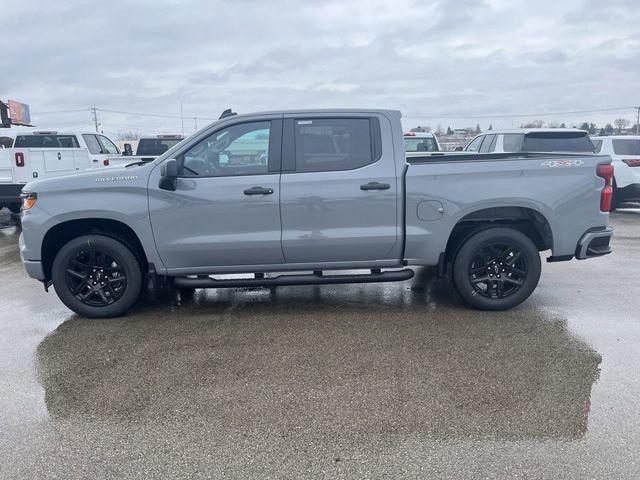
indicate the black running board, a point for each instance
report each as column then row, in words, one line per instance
column 285, row 280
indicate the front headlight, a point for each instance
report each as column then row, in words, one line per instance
column 28, row 200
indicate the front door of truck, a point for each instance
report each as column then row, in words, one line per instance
column 225, row 209
column 339, row 190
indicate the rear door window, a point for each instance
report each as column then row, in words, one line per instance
column 512, row 142
column 626, row 147
column 330, row 144
column 558, row 142
column 486, row 144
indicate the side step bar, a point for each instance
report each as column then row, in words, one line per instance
column 316, row 278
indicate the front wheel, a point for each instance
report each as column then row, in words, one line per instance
column 97, row 276
column 496, row 269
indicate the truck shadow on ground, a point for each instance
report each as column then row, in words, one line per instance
column 317, row 362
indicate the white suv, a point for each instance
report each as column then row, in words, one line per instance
column 625, row 153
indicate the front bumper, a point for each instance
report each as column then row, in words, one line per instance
column 34, row 268
column 594, row 243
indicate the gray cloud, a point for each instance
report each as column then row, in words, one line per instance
column 426, row 58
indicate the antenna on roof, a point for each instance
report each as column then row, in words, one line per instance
column 227, row 113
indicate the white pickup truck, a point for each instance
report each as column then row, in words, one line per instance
column 44, row 154
column 149, row 148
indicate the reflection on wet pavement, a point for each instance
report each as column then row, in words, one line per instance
column 396, row 379
column 313, row 358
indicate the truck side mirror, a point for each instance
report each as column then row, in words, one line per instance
column 128, row 151
column 168, row 175
column 458, row 149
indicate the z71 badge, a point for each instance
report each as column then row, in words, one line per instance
column 562, row 163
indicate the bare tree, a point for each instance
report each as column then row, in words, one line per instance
column 534, row 124
column 128, row 135
column 621, row 124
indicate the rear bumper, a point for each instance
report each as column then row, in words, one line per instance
column 10, row 193
column 594, row 243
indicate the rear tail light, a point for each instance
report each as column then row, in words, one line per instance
column 19, row 159
column 410, row 134
column 606, row 171
column 632, row 162
column 105, row 162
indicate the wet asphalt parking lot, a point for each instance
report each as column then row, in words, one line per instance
column 396, row 380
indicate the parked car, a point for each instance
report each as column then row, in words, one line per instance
column 416, row 143
column 149, row 148
column 624, row 150
column 531, row 140
column 44, row 154
column 306, row 192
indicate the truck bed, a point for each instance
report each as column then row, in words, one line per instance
column 561, row 191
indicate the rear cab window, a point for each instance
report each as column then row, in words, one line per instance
column 46, row 141
column 417, row 144
column 156, row 146
column 333, row 144
column 578, row 142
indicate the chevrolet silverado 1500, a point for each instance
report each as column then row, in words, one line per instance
column 288, row 198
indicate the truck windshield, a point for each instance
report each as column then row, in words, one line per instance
column 558, row 142
column 626, row 147
column 156, row 146
column 427, row 144
column 46, row 141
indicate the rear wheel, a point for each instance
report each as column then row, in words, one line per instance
column 496, row 269
column 97, row 276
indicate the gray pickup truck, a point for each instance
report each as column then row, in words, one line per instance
column 307, row 197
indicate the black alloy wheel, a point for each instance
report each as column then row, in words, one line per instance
column 95, row 278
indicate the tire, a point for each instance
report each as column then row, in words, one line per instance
column 101, row 261
column 496, row 269
column 14, row 208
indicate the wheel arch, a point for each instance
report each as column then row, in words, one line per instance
column 63, row 232
column 526, row 220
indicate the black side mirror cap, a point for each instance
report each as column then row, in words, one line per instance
column 458, row 149
column 169, row 175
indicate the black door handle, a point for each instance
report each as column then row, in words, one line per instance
column 375, row 186
column 258, row 191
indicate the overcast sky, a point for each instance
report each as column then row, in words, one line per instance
column 426, row 58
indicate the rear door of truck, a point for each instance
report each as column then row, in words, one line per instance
column 339, row 189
